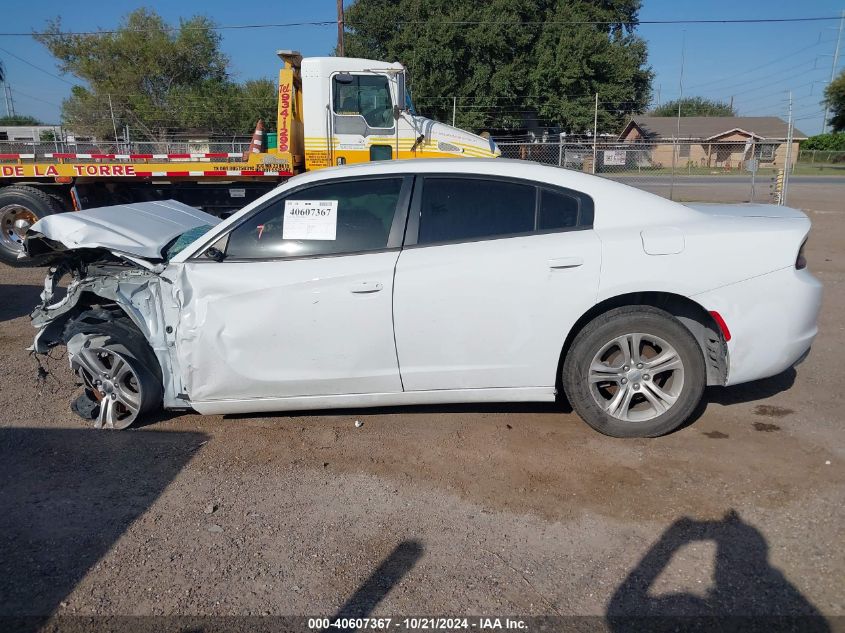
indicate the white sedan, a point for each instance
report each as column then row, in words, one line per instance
column 420, row 282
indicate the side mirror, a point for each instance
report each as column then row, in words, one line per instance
column 215, row 253
column 343, row 78
column 401, row 93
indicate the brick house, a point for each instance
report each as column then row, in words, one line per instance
column 704, row 141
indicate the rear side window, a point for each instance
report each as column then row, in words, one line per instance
column 466, row 208
column 333, row 218
column 557, row 211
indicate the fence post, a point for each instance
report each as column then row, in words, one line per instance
column 595, row 130
column 672, row 179
column 560, row 149
column 753, row 165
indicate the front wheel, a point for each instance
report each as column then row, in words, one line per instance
column 634, row 371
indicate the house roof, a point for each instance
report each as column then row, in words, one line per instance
column 709, row 127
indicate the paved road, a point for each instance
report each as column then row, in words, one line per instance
column 664, row 180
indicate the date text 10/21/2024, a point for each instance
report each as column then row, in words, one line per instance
column 419, row 624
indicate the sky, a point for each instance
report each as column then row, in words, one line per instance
column 755, row 64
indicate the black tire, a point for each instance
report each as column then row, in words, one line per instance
column 21, row 202
column 595, row 337
column 123, row 338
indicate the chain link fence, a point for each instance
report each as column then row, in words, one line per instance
column 735, row 171
column 235, row 145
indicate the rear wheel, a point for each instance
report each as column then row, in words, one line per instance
column 634, row 372
column 20, row 208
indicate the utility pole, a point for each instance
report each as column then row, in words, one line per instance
column 113, row 122
column 788, row 165
column 7, row 91
column 340, row 28
column 678, row 123
column 454, row 109
column 833, row 67
column 595, row 130
column 10, row 100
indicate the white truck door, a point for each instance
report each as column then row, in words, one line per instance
column 494, row 274
column 362, row 117
column 300, row 302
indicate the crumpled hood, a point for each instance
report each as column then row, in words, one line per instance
column 748, row 210
column 140, row 229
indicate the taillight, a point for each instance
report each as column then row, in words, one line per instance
column 801, row 260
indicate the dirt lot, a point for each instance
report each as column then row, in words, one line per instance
column 496, row 510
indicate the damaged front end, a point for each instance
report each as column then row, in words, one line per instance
column 109, row 313
column 108, row 307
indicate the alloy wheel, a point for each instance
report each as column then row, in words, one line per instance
column 636, row 377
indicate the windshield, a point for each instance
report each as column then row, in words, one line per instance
column 184, row 240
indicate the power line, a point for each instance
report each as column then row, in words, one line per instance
column 527, row 23
column 752, row 69
column 27, row 96
column 28, row 63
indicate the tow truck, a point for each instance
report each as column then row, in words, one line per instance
column 331, row 111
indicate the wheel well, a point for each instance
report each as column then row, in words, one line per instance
column 696, row 319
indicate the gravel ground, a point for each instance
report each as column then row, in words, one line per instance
column 493, row 510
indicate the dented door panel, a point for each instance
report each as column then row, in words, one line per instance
column 299, row 327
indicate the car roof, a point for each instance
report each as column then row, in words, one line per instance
column 504, row 167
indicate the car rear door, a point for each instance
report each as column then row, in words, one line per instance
column 300, row 302
column 493, row 275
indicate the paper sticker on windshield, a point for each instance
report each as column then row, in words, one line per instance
column 310, row 220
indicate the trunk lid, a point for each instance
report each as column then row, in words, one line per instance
column 748, row 210
column 136, row 230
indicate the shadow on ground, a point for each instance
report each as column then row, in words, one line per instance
column 18, row 300
column 747, row 593
column 383, row 578
column 66, row 496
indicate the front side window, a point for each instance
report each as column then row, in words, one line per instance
column 469, row 208
column 364, row 95
column 327, row 219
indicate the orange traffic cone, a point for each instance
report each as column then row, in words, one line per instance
column 257, row 144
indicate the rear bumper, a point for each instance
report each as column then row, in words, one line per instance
column 772, row 319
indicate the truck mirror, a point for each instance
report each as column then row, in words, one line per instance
column 401, row 94
column 343, row 78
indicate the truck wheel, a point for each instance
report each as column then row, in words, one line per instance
column 20, row 208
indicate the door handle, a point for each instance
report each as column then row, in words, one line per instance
column 566, row 262
column 364, row 287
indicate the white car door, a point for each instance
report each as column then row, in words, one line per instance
column 493, row 275
column 298, row 299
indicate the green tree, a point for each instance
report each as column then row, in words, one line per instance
column 834, row 98
column 694, row 106
column 829, row 142
column 508, row 61
column 161, row 80
column 19, row 119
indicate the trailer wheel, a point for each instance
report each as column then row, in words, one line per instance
column 20, row 208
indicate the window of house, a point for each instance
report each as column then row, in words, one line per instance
column 349, row 216
column 365, row 95
column 766, row 151
column 684, row 150
column 474, row 208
